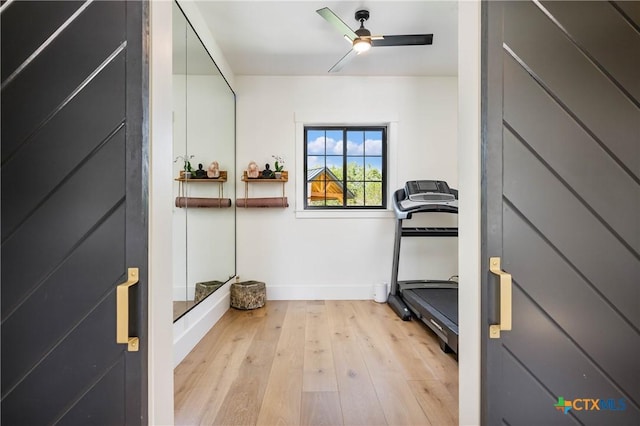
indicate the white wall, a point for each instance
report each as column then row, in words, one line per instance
column 331, row 256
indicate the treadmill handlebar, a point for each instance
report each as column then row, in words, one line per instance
column 404, row 208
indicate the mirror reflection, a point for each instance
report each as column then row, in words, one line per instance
column 204, row 152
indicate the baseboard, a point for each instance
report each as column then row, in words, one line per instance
column 193, row 326
column 320, row 292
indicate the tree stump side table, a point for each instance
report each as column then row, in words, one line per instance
column 248, row 294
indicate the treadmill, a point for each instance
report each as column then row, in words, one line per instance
column 434, row 302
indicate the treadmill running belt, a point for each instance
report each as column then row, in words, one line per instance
column 444, row 300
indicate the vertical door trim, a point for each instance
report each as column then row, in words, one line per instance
column 491, row 208
column 137, row 178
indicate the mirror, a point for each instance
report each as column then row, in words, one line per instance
column 204, row 222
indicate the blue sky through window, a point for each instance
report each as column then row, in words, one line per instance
column 325, row 143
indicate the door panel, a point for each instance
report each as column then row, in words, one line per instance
column 72, row 368
column 101, row 402
column 547, row 281
column 592, row 175
column 80, row 142
column 74, row 211
column 561, row 203
column 522, row 382
column 574, row 80
column 621, row 39
column 87, row 264
column 32, row 97
column 571, row 227
column 45, row 17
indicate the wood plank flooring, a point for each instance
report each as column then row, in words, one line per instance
column 317, row 363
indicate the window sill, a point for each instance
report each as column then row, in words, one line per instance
column 344, row 214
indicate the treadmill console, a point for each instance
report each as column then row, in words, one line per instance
column 430, row 191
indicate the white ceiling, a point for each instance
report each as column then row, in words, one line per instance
column 290, row 38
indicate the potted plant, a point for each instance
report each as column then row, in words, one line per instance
column 278, row 166
column 187, row 170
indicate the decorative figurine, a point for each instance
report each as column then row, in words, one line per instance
column 200, row 173
column 267, row 173
column 214, row 170
column 252, row 170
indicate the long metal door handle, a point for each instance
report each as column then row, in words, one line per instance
column 505, row 299
column 122, row 312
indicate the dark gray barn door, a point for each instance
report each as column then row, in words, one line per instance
column 561, row 207
column 73, row 211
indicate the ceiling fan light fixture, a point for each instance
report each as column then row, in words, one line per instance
column 361, row 45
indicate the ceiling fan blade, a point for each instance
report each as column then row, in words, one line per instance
column 343, row 61
column 333, row 19
column 404, row 40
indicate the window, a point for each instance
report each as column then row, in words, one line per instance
column 345, row 167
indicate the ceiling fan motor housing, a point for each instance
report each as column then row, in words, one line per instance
column 363, row 32
column 362, row 15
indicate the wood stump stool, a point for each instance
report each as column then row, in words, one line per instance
column 248, row 294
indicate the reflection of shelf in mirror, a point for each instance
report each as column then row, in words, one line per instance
column 221, row 179
column 202, row 202
column 263, row 202
column 183, row 201
column 246, row 179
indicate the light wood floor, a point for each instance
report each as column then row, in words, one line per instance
column 317, row 363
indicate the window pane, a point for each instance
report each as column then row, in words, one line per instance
column 355, row 194
column 316, row 190
column 373, row 143
column 373, row 193
column 355, row 168
column 355, row 143
column 315, row 142
column 334, row 142
column 374, row 168
column 334, row 161
column 315, row 162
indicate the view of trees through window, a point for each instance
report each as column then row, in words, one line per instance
column 345, row 167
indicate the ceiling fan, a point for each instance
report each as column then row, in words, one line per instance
column 361, row 39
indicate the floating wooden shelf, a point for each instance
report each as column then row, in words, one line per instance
column 183, row 201
column 263, row 202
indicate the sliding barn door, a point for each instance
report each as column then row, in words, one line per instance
column 561, row 211
column 74, row 215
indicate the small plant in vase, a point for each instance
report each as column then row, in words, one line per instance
column 278, row 166
column 187, row 169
